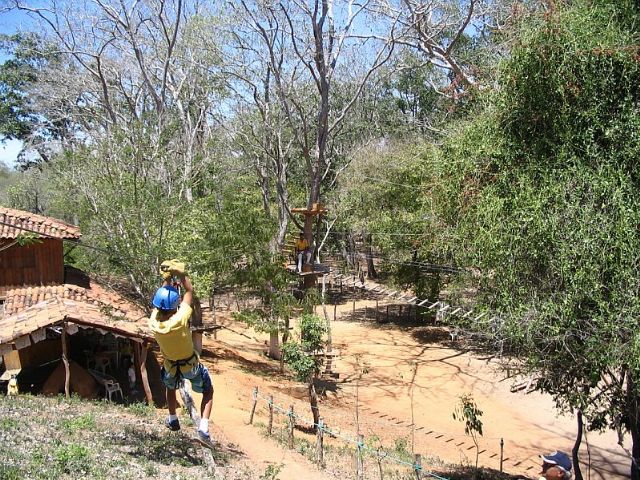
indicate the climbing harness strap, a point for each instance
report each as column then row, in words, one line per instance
column 180, row 363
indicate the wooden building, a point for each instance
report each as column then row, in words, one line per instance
column 41, row 261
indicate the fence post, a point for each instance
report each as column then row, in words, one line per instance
column 291, row 424
column 359, row 459
column 417, row 466
column 376, row 309
column 253, row 407
column 320, row 443
column 335, row 307
column 501, row 452
column 270, row 426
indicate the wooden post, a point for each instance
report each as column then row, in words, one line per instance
column 320, row 444
column 501, row 452
column 143, row 373
column 401, row 311
column 359, row 459
column 354, row 306
column 253, row 407
column 417, row 466
column 340, row 286
column 377, row 317
column 387, row 313
column 270, row 426
column 65, row 360
column 291, row 425
column 335, row 307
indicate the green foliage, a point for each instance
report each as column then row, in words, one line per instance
column 72, row 458
column 468, row 412
column 82, row 422
column 272, row 471
column 298, row 355
column 27, row 238
column 548, row 211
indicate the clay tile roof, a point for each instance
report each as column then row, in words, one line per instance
column 18, row 299
column 55, row 310
column 15, row 222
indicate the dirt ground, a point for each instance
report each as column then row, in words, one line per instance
column 397, row 374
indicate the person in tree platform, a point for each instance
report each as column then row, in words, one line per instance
column 303, row 254
column 169, row 323
column 556, row 466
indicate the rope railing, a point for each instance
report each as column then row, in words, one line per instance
column 358, row 440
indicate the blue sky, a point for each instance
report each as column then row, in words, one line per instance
column 11, row 22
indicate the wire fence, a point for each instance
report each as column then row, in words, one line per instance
column 355, row 441
column 367, row 445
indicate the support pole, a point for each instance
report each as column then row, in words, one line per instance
column 501, row 453
column 253, row 407
column 270, row 426
column 387, row 313
column 320, row 444
column 359, row 458
column 291, row 425
column 65, row 360
column 143, row 373
column 377, row 316
column 417, row 466
column 335, row 307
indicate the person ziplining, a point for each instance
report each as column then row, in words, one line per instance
column 169, row 323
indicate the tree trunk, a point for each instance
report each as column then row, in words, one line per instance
column 285, row 338
column 274, row 346
column 313, row 401
column 371, row 269
column 576, row 447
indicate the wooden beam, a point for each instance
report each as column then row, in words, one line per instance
column 143, row 373
column 65, row 360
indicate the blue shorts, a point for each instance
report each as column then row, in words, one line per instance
column 198, row 376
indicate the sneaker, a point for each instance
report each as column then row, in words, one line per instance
column 173, row 425
column 204, row 436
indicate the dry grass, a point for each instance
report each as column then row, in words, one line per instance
column 55, row 438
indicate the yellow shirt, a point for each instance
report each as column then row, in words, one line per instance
column 302, row 244
column 174, row 337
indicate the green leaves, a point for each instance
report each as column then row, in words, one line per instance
column 299, row 355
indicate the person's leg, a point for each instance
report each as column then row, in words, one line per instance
column 207, row 403
column 172, row 403
column 201, row 383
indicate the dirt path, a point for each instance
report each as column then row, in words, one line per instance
column 398, row 364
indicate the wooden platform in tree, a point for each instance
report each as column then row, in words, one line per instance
column 316, row 209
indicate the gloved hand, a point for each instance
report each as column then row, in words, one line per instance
column 168, row 268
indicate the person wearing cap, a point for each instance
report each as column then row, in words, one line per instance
column 169, row 323
column 556, row 466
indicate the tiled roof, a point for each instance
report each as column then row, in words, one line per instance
column 21, row 328
column 43, row 227
column 18, row 299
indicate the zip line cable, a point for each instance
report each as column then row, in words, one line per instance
column 78, row 243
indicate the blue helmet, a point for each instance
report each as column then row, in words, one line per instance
column 166, row 298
